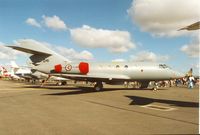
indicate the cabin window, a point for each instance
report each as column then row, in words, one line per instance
column 126, row 66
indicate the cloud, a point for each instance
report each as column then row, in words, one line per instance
column 192, row 50
column 147, row 56
column 118, row 60
column 114, row 40
column 8, row 53
column 74, row 55
column 69, row 53
column 33, row 22
column 164, row 17
column 195, row 65
column 54, row 23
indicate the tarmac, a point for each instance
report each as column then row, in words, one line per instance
column 27, row 109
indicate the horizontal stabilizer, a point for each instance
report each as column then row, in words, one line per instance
column 30, row 51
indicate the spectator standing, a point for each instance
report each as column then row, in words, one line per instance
column 191, row 82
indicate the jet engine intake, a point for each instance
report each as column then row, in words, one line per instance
column 72, row 68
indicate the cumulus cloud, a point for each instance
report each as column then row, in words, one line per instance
column 147, row 56
column 54, row 23
column 33, row 22
column 164, row 17
column 8, row 53
column 68, row 53
column 118, row 60
column 192, row 50
column 74, row 55
column 115, row 40
column 195, row 65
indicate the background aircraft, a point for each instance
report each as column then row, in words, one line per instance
column 46, row 61
column 30, row 74
column 8, row 72
column 2, row 71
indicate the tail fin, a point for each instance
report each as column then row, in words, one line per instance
column 14, row 67
column 32, row 47
column 13, row 64
column 1, row 71
column 189, row 73
column 4, row 70
column 42, row 57
column 38, row 50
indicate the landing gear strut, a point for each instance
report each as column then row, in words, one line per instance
column 144, row 85
column 155, row 86
column 44, row 81
column 98, row 86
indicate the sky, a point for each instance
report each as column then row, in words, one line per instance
column 103, row 30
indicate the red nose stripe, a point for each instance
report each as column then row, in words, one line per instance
column 84, row 67
column 58, row 68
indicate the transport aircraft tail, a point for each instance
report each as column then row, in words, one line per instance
column 40, row 54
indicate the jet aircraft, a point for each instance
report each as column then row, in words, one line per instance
column 31, row 75
column 49, row 62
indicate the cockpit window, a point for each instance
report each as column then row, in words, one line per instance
column 163, row 66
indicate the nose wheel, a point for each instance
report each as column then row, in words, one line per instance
column 98, row 86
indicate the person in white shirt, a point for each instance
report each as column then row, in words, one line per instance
column 191, row 82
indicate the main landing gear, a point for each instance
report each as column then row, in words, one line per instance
column 144, row 84
column 98, row 86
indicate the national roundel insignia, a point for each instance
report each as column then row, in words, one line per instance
column 68, row 67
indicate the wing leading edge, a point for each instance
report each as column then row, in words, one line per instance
column 30, row 51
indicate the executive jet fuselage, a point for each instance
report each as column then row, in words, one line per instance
column 49, row 62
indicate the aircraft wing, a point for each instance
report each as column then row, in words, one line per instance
column 93, row 77
column 30, row 51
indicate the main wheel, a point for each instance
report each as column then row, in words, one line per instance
column 63, row 83
column 144, row 85
column 98, row 86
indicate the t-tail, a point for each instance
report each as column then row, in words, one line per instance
column 42, row 58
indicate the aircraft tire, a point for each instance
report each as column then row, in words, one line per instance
column 63, row 83
column 98, row 86
column 144, row 85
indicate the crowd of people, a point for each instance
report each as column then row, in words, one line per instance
column 188, row 81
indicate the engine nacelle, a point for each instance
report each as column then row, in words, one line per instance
column 72, row 68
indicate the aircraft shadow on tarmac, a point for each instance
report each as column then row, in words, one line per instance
column 137, row 100
column 84, row 90
column 78, row 90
